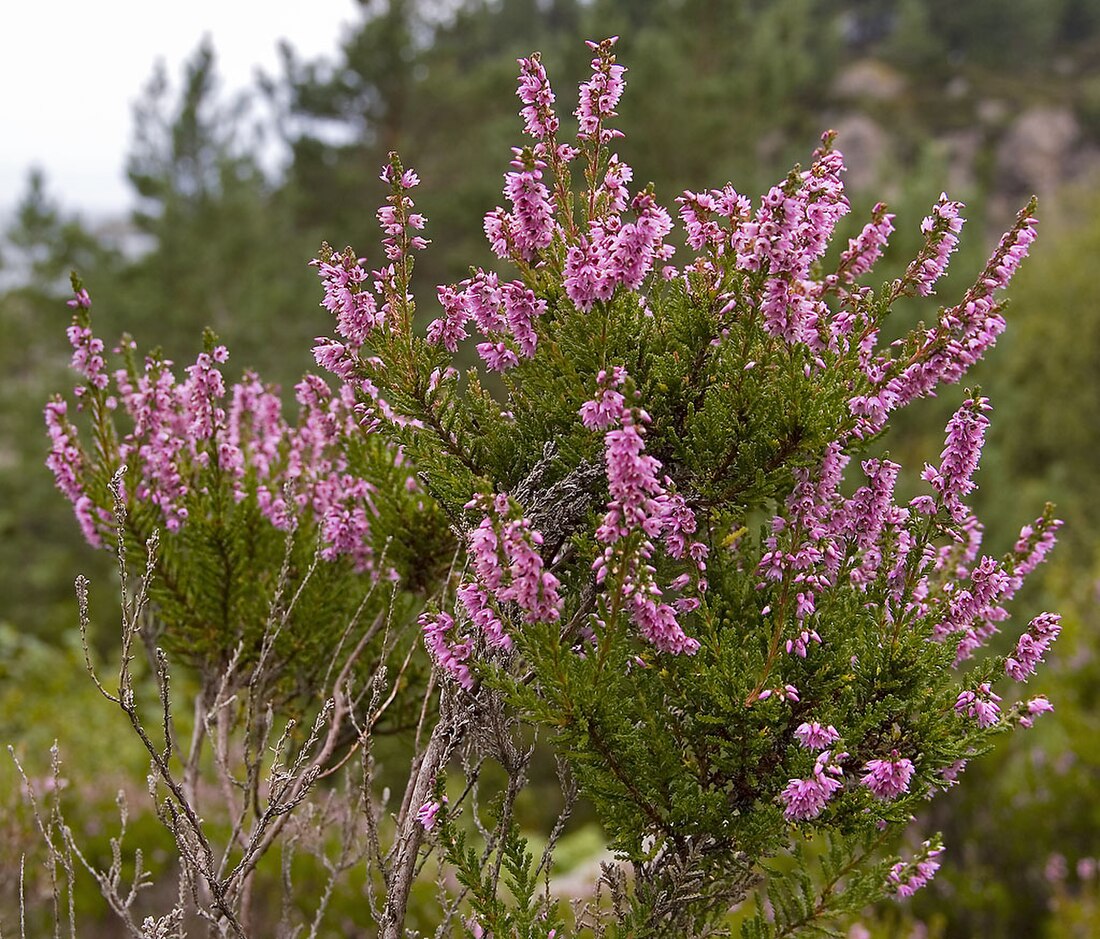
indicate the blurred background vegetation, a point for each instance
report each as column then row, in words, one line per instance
column 988, row 99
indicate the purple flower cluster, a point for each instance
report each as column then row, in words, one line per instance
column 824, row 535
column 396, row 217
column 428, row 813
column 941, row 233
column 813, row 736
column 867, row 247
column 616, row 254
column 508, row 569
column 505, row 315
column 1032, row 547
column 954, row 478
column 944, row 352
column 347, row 297
column 187, row 436
column 1033, row 645
column 531, row 221
column 888, row 779
column 534, row 91
column 1034, row 707
column 80, row 300
column 981, row 705
column 790, row 232
column 804, row 799
column 87, row 359
column 641, row 505
column 504, row 549
column 600, row 94
column 449, row 653
column 66, row 462
column 907, row 878
column 703, row 214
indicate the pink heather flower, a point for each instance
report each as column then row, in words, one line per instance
column 697, row 212
column 789, row 233
column 80, row 300
column 486, row 553
column 941, row 230
column 533, row 589
column 980, row 705
column 964, row 332
column 907, row 878
column 449, row 655
column 951, row 774
column 679, row 525
column 888, row 779
column 449, row 330
column 428, row 812
column 178, row 428
column 497, row 225
column 607, row 407
column 632, row 480
column 636, row 246
column 335, row 357
column 485, row 300
column 506, row 560
column 975, row 611
column 507, row 310
column 66, row 462
column 87, row 359
column 587, row 278
column 497, row 356
column 700, row 213
column 870, row 512
column 388, row 174
column 345, row 522
column 521, row 308
column 614, row 183
column 203, row 390
column 483, row 614
column 347, row 298
column 1032, row 646
column 960, row 457
column 600, row 94
column 534, row 91
column 784, row 693
column 1032, row 547
column 804, row 799
column 800, row 645
column 532, row 217
column 1011, row 250
column 813, row 736
column 866, row 248
column 396, row 216
column 639, row 503
column 1035, row 707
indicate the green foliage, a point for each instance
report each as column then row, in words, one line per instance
column 819, row 886
column 521, row 912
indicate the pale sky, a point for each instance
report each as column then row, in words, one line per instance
column 70, row 71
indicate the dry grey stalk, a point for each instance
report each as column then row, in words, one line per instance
column 235, row 782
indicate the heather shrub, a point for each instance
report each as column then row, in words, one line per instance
column 632, row 532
